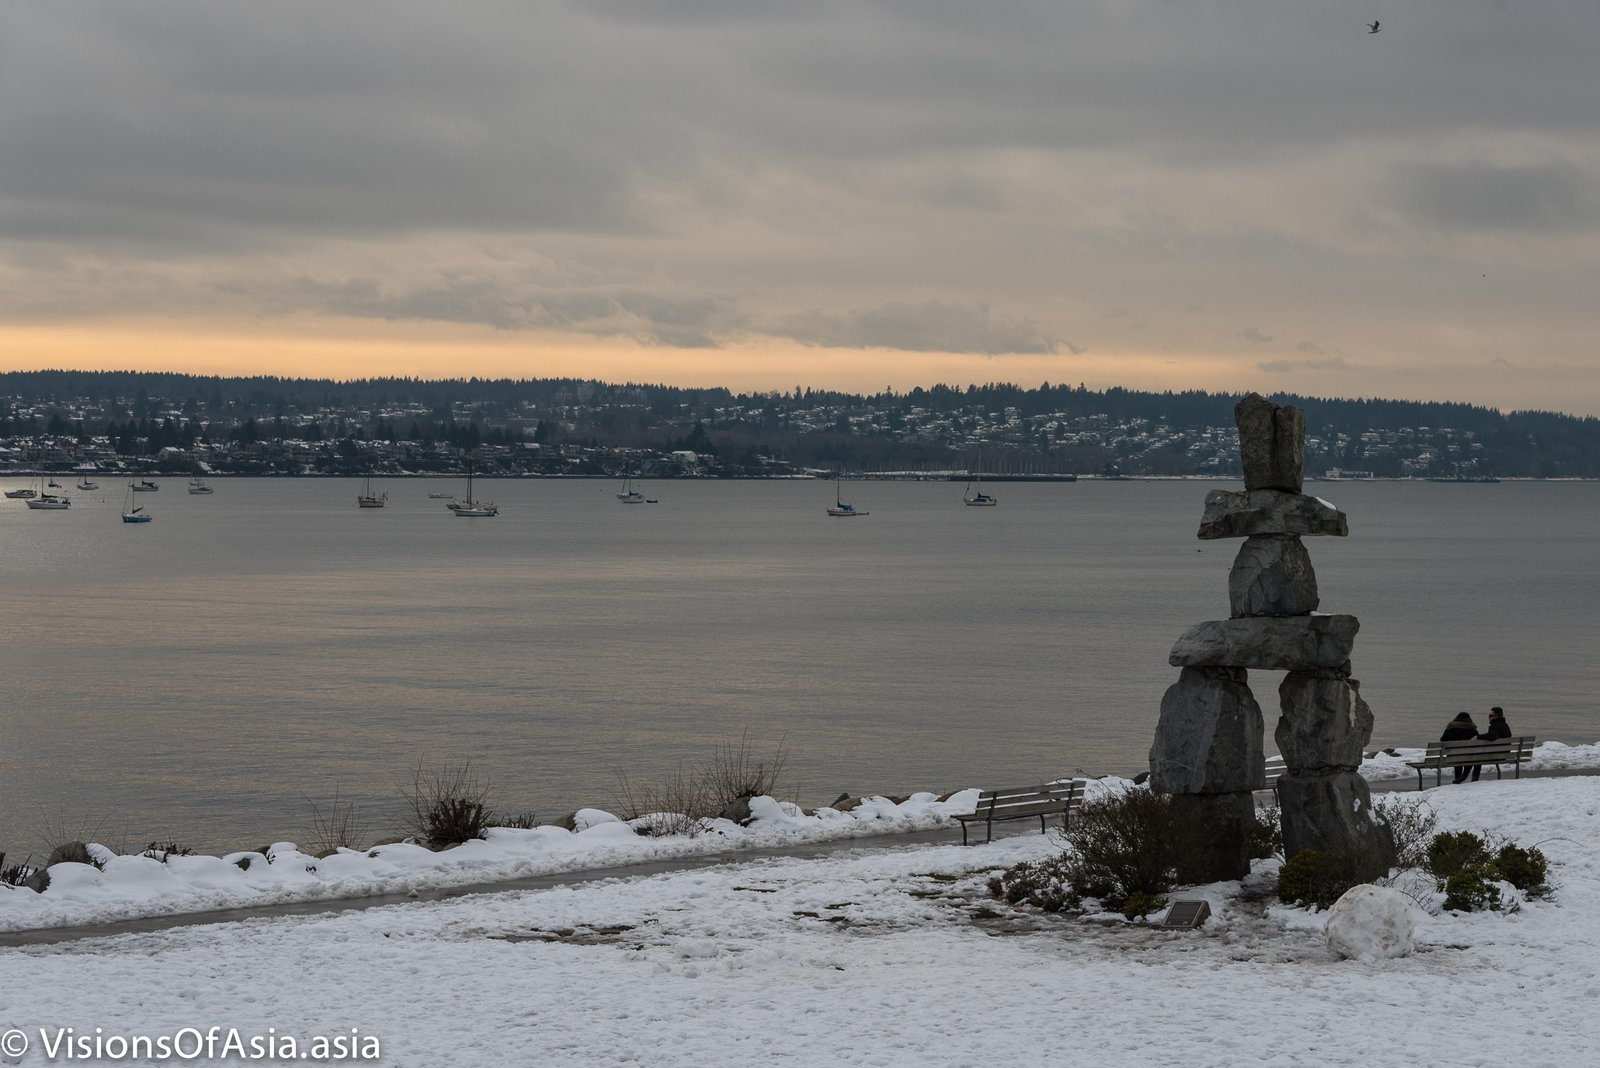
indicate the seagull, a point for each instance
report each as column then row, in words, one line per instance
column 1372, row 27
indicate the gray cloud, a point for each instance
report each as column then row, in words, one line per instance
column 701, row 171
column 1254, row 334
column 933, row 326
column 613, row 311
column 1310, row 347
column 1478, row 196
column 1334, row 363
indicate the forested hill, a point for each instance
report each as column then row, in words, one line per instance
column 1049, row 427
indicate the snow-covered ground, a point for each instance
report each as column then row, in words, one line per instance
column 136, row 886
column 872, row 956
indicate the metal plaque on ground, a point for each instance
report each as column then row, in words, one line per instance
column 1187, row 914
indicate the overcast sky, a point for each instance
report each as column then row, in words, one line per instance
column 1218, row 194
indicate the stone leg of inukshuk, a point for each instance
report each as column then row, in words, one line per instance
column 1207, row 754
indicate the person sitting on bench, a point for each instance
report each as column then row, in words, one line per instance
column 1461, row 729
column 1498, row 728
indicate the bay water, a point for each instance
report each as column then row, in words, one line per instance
column 210, row 675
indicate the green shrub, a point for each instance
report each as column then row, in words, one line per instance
column 1139, row 905
column 1469, row 869
column 1524, row 869
column 1452, row 851
column 1472, row 888
column 1313, row 879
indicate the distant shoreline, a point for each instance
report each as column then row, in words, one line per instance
column 865, row 476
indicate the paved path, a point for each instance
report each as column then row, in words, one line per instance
column 944, row 836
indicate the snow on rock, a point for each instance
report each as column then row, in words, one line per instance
column 1370, row 923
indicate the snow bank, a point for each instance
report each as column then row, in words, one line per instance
column 129, row 887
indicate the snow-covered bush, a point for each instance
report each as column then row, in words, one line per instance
column 1043, row 884
column 1266, row 835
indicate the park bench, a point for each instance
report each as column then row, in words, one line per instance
column 1022, row 802
column 1469, row 751
column 1273, row 771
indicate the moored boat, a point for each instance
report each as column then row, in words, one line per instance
column 842, row 510
column 133, row 513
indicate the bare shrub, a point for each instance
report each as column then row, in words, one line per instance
column 447, row 804
column 1130, row 844
column 677, row 805
column 339, row 826
column 736, row 771
column 1412, row 822
column 522, row 821
column 162, row 850
column 15, row 874
column 1124, row 851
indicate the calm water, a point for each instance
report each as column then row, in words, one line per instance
column 200, row 677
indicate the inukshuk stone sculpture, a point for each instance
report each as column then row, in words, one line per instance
column 1207, row 750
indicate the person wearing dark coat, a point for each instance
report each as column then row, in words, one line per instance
column 1460, row 729
column 1498, row 728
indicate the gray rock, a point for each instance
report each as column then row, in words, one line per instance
column 1272, row 576
column 1325, row 724
column 1218, row 828
column 1333, row 814
column 1208, row 740
column 1232, row 514
column 1271, row 443
column 1288, row 643
column 737, row 810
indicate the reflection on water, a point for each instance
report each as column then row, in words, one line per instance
column 202, row 676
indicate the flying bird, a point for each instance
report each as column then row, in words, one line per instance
column 1372, row 27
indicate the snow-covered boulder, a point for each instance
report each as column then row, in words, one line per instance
column 1370, row 923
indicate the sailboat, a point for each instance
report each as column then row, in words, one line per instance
column 979, row 499
column 629, row 495
column 133, row 513
column 840, row 509
column 471, row 509
column 87, row 483
column 48, row 502
column 197, row 485
column 367, row 499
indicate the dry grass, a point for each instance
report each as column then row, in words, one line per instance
column 681, row 802
column 340, row 825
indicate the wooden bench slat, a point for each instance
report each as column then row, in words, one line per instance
column 1022, row 802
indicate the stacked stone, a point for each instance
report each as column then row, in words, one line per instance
column 1207, row 750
